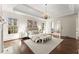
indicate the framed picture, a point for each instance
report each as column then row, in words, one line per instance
column 32, row 25
column 29, row 24
column 12, row 25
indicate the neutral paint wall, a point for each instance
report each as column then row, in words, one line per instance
column 0, row 24
column 21, row 21
column 77, row 26
column 7, row 11
column 1, row 41
column 68, row 25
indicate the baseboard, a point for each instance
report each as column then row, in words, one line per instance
column 10, row 40
column 67, row 37
column 23, row 38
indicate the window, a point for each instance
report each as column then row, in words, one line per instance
column 12, row 25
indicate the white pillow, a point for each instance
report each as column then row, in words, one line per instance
column 34, row 37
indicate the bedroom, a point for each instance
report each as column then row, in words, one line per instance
column 38, row 24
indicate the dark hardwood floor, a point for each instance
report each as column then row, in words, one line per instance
column 24, row 49
column 68, row 46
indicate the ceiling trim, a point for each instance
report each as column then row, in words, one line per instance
column 33, row 8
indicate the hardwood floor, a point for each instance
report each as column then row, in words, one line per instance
column 68, row 46
column 8, row 43
column 25, row 49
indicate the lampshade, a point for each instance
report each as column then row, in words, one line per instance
column 45, row 16
column 45, row 13
column 2, row 21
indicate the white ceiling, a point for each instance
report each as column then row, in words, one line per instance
column 54, row 10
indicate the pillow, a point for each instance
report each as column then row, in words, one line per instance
column 34, row 37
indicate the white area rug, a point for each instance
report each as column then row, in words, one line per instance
column 45, row 48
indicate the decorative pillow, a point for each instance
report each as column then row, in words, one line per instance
column 40, row 38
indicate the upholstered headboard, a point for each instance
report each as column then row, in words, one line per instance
column 33, row 32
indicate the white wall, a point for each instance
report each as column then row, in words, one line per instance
column 68, row 25
column 1, row 41
column 6, row 12
column 0, row 24
column 21, row 21
column 77, row 27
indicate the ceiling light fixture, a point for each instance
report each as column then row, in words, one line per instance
column 45, row 13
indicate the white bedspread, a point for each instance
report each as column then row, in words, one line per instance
column 40, row 36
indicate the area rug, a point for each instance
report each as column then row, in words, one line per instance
column 44, row 48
